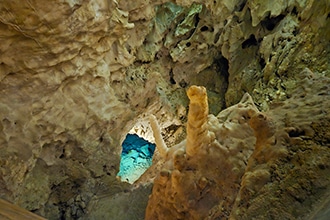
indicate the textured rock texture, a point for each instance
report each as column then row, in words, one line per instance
column 249, row 164
column 10, row 211
column 77, row 76
column 68, row 98
column 208, row 168
column 288, row 174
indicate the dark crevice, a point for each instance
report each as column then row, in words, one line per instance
column 262, row 62
column 240, row 6
column 141, row 62
column 193, row 30
column 295, row 31
column 183, row 83
column 296, row 132
column 294, row 11
column 204, row 28
column 172, row 128
column 222, row 67
column 62, row 156
column 270, row 22
column 251, row 41
column 197, row 19
column 217, row 37
column 172, row 81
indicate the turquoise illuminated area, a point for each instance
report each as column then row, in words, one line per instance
column 136, row 157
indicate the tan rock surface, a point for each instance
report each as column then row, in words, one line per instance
column 77, row 76
column 278, row 171
column 193, row 182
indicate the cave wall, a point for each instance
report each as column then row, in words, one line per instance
column 76, row 76
column 65, row 103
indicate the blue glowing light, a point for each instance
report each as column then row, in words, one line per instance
column 136, row 157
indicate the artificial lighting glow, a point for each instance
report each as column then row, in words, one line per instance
column 136, row 157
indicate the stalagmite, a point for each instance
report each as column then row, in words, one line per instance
column 197, row 119
column 195, row 179
column 160, row 144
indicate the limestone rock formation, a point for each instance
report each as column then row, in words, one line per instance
column 288, row 173
column 77, row 76
column 237, row 173
column 208, row 170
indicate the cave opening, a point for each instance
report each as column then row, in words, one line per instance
column 136, row 157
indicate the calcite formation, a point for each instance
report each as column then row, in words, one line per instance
column 274, row 178
column 197, row 134
column 208, row 168
column 243, row 168
column 77, row 76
